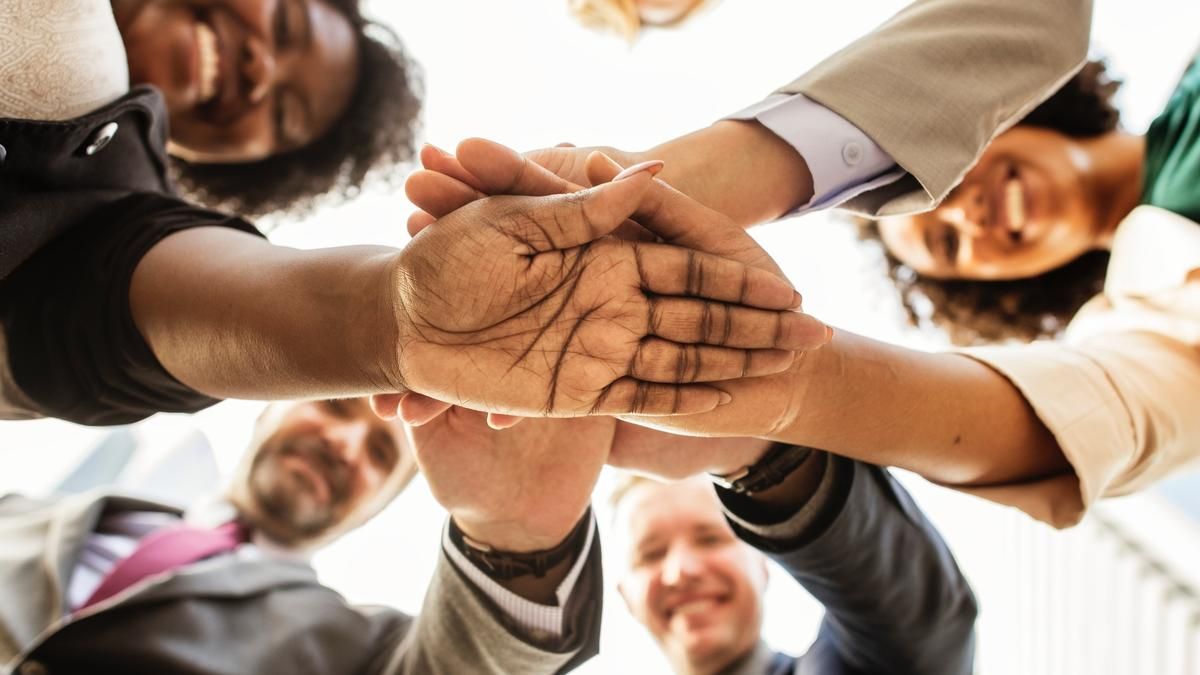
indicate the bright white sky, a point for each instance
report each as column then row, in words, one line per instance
column 523, row 73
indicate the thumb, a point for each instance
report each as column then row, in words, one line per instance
column 566, row 221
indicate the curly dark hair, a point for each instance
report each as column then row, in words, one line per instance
column 377, row 131
column 977, row 312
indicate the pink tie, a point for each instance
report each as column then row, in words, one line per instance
column 167, row 549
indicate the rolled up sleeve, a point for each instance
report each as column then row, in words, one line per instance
column 1123, row 408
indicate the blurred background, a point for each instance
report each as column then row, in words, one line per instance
column 1116, row 595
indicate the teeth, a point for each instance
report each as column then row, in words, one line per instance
column 1014, row 203
column 206, row 47
column 694, row 606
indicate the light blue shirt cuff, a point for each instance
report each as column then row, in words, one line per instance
column 844, row 161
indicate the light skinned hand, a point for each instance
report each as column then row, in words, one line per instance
column 521, row 490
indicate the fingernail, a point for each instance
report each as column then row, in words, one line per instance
column 653, row 166
column 726, row 397
column 438, row 150
column 828, row 333
column 797, row 300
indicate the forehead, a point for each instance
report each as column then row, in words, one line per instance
column 662, row 510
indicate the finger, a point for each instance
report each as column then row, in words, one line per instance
column 436, row 159
column 630, row 396
column 500, row 422
column 417, row 409
column 683, row 221
column 671, row 270
column 662, row 361
column 688, row 321
column 438, row 193
column 418, row 221
column 543, row 224
column 385, row 405
column 503, row 171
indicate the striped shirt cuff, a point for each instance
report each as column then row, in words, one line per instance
column 544, row 622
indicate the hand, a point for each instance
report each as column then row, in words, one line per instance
column 517, row 490
column 669, row 456
column 583, row 329
column 570, row 163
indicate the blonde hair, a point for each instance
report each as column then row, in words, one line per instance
column 625, row 483
column 621, row 16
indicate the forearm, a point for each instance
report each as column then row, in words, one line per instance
column 233, row 316
column 741, row 169
column 944, row 416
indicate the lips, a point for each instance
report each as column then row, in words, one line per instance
column 694, row 606
column 218, row 37
column 1011, row 202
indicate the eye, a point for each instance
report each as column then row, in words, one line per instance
column 949, row 241
column 383, row 453
column 650, row 555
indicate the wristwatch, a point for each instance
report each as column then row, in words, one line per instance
column 504, row 565
column 780, row 460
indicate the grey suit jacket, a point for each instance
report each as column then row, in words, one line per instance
column 233, row 616
column 895, row 600
column 937, row 82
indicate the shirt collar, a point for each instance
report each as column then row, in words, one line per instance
column 1153, row 250
column 216, row 509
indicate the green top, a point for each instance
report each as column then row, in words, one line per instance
column 1173, row 151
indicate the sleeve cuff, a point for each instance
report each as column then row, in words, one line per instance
column 805, row 524
column 843, row 160
column 1073, row 396
column 543, row 622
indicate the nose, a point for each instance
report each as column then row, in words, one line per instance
column 258, row 69
column 681, row 565
column 349, row 440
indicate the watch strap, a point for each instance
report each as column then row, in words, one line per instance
column 776, row 464
column 503, row 565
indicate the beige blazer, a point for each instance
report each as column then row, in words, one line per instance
column 937, row 82
column 232, row 615
column 1121, row 391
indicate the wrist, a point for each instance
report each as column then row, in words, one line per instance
column 739, row 168
column 746, row 456
column 393, row 324
column 791, row 494
column 513, row 536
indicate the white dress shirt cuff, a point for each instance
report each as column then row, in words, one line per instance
column 542, row 621
column 844, row 161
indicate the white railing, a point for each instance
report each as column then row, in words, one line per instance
column 1117, row 595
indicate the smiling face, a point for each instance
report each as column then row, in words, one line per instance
column 1024, row 209
column 242, row 79
column 690, row 580
column 320, row 461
